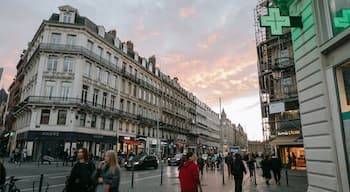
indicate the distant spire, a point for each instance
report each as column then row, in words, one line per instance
column 223, row 114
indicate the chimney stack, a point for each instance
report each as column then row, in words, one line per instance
column 152, row 60
column 113, row 33
column 130, row 46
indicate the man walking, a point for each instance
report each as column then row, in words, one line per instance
column 237, row 170
column 276, row 166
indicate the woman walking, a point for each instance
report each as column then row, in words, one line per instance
column 251, row 165
column 266, row 167
column 81, row 177
column 189, row 174
column 109, row 173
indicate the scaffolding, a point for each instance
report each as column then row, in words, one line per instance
column 274, row 52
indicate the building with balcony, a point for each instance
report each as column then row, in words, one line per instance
column 80, row 86
column 278, row 91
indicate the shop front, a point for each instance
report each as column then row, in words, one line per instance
column 291, row 150
column 128, row 144
column 54, row 143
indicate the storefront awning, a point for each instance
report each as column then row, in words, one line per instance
column 131, row 142
column 287, row 140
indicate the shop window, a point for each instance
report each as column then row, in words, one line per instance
column 62, row 116
column 111, row 124
column 45, row 116
column 343, row 81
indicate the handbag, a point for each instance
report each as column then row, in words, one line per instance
column 103, row 188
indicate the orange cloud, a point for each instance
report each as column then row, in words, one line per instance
column 185, row 12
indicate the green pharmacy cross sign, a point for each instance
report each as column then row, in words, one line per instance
column 344, row 20
column 275, row 21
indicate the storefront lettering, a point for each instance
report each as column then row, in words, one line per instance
column 55, row 134
column 291, row 132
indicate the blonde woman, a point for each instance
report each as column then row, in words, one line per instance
column 109, row 173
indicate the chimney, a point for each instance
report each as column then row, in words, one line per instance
column 113, row 33
column 176, row 79
column 130, row 46
column 152, row 59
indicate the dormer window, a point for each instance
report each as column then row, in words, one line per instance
column 67, row 18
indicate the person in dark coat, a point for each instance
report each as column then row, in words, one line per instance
column 266, row 167
column 81, row 177
column 251, row 165
column 2, row 174
column 276, row 166
column 237, row 170
column 200, row 163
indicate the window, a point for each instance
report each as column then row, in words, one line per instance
column 52, row 63
column 87, row 69
column 65, row 89
column 49, row 90
column 115, row 61
column 98, row 70
column 95, row 97
column 120, row 125
column 112, row 81
column 121, row 104
column 90, row 45
column 112, row 102
column 82, row 119
column 104, row 100
column 67, row 18
column 135, row 91
column 109, row 57
column 104, row 78
column 128, row 106
column 116, row 81
column 135, row 73
column 45, row 116
column 84, row 93
column 55, row 38
column 68, row 64
column 71, row 39
column 62, row 115
column 123, row 85
column 129, row 88
column 134, row 108
column 103, row 122
column 111, row 124
column 130, row 69
column 100, row 51
column 93, row 121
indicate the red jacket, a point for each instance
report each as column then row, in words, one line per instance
column 189, row 177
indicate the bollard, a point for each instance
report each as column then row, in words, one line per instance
column 161, row 173
column 132, row 174
column 287, row 177
column 41, row 182
column 223, row 172
column 255, row 175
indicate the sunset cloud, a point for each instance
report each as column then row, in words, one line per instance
column 186, row 12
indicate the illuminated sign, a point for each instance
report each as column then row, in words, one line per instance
column 344, row 20
column 275, row 21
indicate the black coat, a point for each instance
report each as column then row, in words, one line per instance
column 276, row 164
column 238, row 168
column 82, row 177
column 266, row 167
column 2, row 174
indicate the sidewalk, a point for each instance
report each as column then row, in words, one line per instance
column 212, row 182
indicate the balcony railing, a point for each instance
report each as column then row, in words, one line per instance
column 79, row 102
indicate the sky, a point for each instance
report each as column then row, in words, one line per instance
column 209, row 45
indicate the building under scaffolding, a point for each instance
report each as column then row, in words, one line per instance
column 278, row 91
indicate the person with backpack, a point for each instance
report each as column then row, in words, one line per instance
column 237, row 170
column 266, row 167
column 82, row 174
column 251, row 165
column 276, row 166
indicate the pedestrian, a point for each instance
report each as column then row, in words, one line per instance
column 2, row 175
column 200, row 163
column 251, row 165
column 82, row 174
column 237, row 170
column 266, row 167
column 66, row 157
column 276, row 166
column 229, row 161
column 189, row 174
column 108, row 173
column 294, row 160
column 290, row 161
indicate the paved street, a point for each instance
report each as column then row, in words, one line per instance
column 149, row 180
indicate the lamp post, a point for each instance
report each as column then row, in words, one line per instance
column 222, row 144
